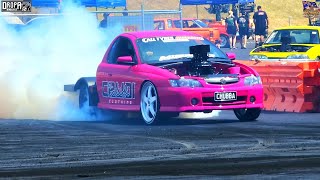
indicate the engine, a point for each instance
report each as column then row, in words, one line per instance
column 200, row 66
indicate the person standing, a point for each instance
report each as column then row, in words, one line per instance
column 125, row 13
column 261, row 23
column 243, row 23
column 232, row 28
column 104, row 22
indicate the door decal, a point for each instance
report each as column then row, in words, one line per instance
column 118, row 90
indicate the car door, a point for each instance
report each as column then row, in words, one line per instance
column 118, row 81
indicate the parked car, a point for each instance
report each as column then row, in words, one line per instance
column 292, row 42
column 190, row 25
column 224, row 37
column 11, row 21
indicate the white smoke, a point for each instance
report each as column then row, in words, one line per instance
column 37, row 63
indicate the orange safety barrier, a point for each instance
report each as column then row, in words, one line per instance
column 289, row 86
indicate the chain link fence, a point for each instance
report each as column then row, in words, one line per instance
column 133, row 20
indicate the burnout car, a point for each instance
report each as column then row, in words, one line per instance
column 293, row 42
column 162, row 73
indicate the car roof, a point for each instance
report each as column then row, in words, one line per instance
column 300, row 27
column 157, row 33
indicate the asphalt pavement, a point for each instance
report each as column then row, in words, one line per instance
column 277, row 145
column 241, row 54
column 194, row 146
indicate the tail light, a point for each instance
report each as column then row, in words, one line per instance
column 211, row 34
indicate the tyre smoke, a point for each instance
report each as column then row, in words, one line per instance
column 37, row 62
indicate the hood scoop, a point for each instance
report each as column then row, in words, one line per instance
column 222, row 79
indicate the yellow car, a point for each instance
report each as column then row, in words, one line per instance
column 292, row 42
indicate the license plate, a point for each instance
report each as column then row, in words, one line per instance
column 225, row 96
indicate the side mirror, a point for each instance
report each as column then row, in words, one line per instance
column 231, row 56
column 125, row 60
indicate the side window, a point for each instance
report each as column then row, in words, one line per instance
column 169, row 23
column 314, row 37
column 158, row 25
column 177, row 23
column 122, row 47
column 185, row 24
column 192, row 24
column 111, row 59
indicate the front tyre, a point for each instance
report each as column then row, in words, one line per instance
column 149, row 103
column 247, row 114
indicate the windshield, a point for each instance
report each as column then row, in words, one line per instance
column 202, row 24
column 295, row 36
column 174, row 49
column 190, row 23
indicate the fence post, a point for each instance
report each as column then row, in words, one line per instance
column 197, row 11
column 142, row 13
column 290, row 20
column 180, row 9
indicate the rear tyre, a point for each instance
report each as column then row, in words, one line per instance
column 247, row 114
column 224, row 41
column 84, row 101
column 149, row 103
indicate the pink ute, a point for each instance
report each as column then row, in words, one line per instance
column 162, row 73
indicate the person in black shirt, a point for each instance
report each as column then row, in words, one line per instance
column 243, row 23
column 261, row 22
column 104, row 22
column 125, row 13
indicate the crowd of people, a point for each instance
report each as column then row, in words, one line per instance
column 242, row 25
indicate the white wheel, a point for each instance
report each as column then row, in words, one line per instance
column 149, row 105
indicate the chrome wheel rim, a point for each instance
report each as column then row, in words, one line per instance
column 149, row 103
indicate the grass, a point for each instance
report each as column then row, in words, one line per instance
column 279, row 11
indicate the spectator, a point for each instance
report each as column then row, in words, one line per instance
column 261, row 23
column 251, row 28
column 125, row 13
column 232, row 28
column 243, row 23
column 104, row 22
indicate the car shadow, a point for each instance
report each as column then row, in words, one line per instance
column 169, row 122
column 134, row 120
